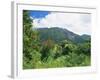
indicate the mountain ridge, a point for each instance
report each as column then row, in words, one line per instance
column 58, row 34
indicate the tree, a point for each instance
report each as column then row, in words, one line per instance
column 30, row 39
column 47, row 46
column 27, row 33
column 84, row 48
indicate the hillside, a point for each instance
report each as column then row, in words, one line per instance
column 59, row 34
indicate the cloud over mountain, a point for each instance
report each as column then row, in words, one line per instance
column 75, row 22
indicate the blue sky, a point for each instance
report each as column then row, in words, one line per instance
column 38, row 14
column 75, row 22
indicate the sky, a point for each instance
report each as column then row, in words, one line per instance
column 79, row 23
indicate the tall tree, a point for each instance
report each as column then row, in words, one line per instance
column 27, row 33
column 30, row 38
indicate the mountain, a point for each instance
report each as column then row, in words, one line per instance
column 86, row 37
column 58, row 34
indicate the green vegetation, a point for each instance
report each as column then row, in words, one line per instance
column 50, row 52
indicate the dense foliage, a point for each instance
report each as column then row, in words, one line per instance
column 49, row 53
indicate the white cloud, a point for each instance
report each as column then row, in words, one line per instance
column 77, row 23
